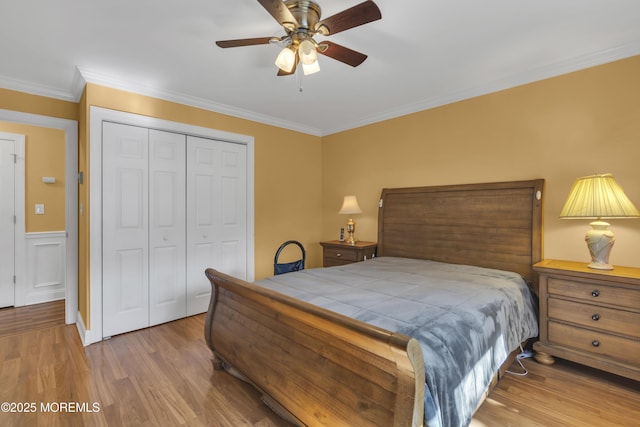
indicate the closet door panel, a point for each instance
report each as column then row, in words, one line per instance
column 233, row 235
column 233, row 198
column 125, row 285
column 216, row 220
column 203, row 219
column 167, row 227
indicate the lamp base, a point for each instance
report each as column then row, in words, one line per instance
column 351, row 229
column 600, row 240
column 600, row 266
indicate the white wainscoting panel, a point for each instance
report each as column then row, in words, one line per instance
column 46, row 268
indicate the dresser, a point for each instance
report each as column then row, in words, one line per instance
column 590, row 316
column 335, row 252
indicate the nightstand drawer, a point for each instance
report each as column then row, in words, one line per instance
column 626, row 350
column 593, row 316
column 341, row 254
column 332, row 262
column 594, row 292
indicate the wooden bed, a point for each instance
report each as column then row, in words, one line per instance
column 317, row 367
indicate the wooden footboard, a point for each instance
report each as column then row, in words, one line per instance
column 314, row 366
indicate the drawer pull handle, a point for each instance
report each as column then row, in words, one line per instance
column 595, row 317
column 338, row 254
column 595, row 343
column 595, row 294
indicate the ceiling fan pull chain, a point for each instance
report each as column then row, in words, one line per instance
column 299, row 76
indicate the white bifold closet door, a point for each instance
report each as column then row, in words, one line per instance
column 216, row 215
column 173, row 205
column 144, row 237
column 167, row 227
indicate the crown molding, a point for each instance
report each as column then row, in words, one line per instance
column 36, row 89
column 89, row 76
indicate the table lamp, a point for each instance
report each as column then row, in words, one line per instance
column 350, row 207
column 599, row 197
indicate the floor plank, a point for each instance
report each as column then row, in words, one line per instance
column 162, row 376
column 16, row 320
column 563, row 394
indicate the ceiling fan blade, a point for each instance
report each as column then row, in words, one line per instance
column 342, row 54
column 281, row 13
column 244, row 42
column 359, row 14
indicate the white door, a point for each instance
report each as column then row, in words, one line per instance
column 7, row 223
column 169, row 212
column 216, row 215
column 167, row 234
column 125, row 225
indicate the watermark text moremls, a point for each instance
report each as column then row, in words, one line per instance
column 54, row 407
column 69, row 407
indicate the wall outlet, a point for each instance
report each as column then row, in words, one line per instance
column 39, row 209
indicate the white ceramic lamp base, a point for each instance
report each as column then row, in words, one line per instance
column 600, row 240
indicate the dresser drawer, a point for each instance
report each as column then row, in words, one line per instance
column 341, row 254
column 594, row 292
column 625, row 350
column 593, row 316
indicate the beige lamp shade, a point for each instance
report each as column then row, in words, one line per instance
column 350, row 206
column 598, row 197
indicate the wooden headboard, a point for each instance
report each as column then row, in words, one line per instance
column 495, row 225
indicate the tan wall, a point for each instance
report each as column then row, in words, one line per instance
column 558, row 129
column 34, row 104
column 44, row 156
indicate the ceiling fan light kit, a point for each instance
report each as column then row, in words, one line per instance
column 286, row 59
column 307, row 69
column 307, row 52
column 301, row 21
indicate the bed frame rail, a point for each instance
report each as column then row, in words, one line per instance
column 324, row 368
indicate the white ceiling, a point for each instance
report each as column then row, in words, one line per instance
column 423, row 53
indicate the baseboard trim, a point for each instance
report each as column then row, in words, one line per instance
column 87, row 336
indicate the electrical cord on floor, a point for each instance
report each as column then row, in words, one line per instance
column 522, row 355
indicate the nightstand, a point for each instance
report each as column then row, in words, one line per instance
column 590, row 316
column 335, row 252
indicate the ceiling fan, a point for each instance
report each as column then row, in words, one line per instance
column 301, row 21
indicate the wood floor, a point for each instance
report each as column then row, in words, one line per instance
column 162, row 376
column 31, row 317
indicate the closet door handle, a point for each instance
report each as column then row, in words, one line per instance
column 595, row 294
column 595, row 317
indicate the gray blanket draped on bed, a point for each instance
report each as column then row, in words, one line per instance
column 467, row 319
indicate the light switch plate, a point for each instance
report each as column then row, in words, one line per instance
column 39, row 209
